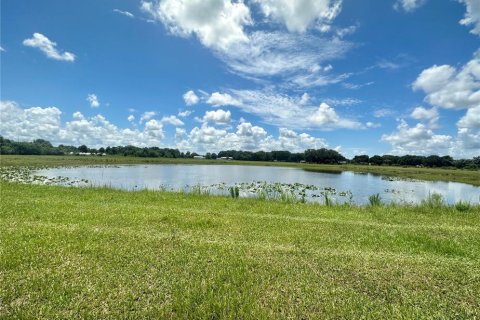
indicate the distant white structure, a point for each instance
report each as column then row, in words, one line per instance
column 88, row 154
column 198, row 157
column 225, row 158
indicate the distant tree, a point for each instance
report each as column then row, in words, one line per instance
column 390, row 160
column 464, row 163
column 361, row 159
column 376, row 160
column 83, row 148
column 43, row 147
column 433, row 161
column 476, row 161
column 447, row 161
column 43, row 143
column 410, row 160
column 297, row 157
column 323, row 156
column 281, row 155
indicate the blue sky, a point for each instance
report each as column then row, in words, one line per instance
column 375, row 77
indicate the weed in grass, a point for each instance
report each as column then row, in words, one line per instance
column 237, row 192
column 463, row 206
column 375, row 200
column 327, row 200
column 434, row 200
column 234, row 192
column 288, row 197
column 199, row 190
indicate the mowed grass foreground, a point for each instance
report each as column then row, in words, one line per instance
column 103, row 253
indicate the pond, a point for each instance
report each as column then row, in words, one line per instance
column 254, row 180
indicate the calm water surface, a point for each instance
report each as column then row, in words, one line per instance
column 179, row 176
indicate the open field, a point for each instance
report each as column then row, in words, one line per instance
column 102, row 253
column 456, row 175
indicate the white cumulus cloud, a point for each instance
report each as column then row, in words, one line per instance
column 93, row 100
column 205, row 135
column 246, row 129
column 468, row 142
column 27, row 124
column 448, row 87
column 48, row 47
column 216, row 23
column 423, row 114
column 326, row 117
column 472, row 16
column 218, row 99
column 468, row 136
column 246, row 137
column 218, row 116
column 471, row 119
column 173, row 120
column 418, row 140
column 147, row 115
column 184, row 114
column 298, row 16
column 190, row 98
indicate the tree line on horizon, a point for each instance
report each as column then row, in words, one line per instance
column 323, row 155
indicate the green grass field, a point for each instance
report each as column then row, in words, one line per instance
column 104, row 253
column 441, row 174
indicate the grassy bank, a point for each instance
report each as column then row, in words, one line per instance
column 102, row 253
column 432, row 174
